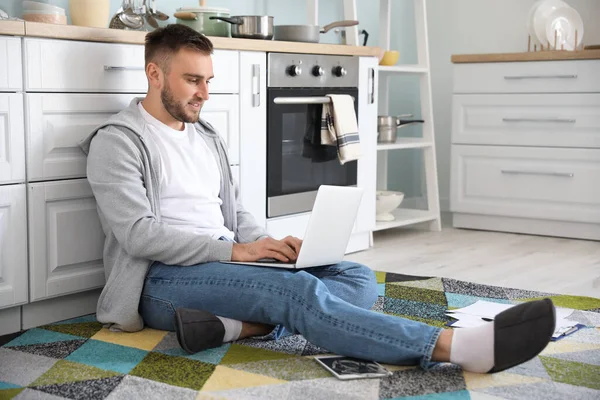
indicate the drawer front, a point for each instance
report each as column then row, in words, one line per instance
column 575, row 76
column 72, row 66
column 12, row 139
column 66, row 239
column 55, row 125
column 556, row 120
column 11, row 76
column 544, row 183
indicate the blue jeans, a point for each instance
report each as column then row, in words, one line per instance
column 328, row 305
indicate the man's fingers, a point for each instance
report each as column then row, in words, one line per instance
column 277, row 256
column 283, row 248
column 293, row 242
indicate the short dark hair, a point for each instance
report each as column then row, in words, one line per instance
column 162, row 43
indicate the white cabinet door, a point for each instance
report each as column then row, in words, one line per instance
column 11, row 78
column 222, row 111
column 225, row 67
column 367, row 130
column 13, row 245
column 253, row 134
column 12, row 139
column 65, row 237
column 55, row 125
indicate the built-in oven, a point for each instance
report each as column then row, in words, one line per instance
column 297, row 162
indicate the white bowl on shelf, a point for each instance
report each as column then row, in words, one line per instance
column 385, row 202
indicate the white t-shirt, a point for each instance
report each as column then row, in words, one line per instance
column 190, row 182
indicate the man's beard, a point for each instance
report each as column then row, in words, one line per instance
column 174, row 108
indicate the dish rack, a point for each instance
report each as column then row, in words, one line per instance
column 553, row 46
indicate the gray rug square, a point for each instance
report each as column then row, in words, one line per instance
column 21, row 368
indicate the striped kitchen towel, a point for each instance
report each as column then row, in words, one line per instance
column 339, row 127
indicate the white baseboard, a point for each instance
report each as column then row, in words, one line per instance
column 11, row 320
column 59, row 308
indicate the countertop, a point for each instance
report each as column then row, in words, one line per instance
column 527, row 56
column 71, row 32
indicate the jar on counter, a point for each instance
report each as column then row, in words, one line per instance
column 92, row 13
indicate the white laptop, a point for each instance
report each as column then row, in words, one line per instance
column 328, row 231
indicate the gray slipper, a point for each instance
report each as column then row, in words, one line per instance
column 198, row 330
column 522, row 332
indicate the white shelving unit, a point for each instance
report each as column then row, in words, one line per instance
column 426, row 144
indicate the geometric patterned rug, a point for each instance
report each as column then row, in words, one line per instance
column 78, row 359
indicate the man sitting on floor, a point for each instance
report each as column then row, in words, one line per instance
column 171, row 212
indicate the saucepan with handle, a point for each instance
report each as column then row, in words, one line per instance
column 306, row 33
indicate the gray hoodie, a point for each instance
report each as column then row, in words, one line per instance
column 124, row 170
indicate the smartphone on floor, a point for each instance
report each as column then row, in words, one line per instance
column 352, row 368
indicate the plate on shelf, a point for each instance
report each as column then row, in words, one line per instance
column 548, row 18
column 563, row 23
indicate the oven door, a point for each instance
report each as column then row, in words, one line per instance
column 297, row 164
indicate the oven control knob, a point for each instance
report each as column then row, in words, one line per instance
column 339, row 71
column 317, row 71
column 294, row 70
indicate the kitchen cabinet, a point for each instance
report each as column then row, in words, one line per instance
column 13, row 246
column 12, row 139
column 526, row 149
column 65, row 239
column 56, row 122
column 11, row 78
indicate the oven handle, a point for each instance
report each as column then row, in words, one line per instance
column 304, row 100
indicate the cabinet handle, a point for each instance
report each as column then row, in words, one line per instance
column 371, row 93
column 517, row 172
column 559, row 120
column 509, row 77
column 122, row 68
column 255, row 85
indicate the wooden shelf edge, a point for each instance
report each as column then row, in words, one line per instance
column 526, row 56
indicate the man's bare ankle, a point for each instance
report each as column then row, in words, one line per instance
column 441, row 351
column 250, row 329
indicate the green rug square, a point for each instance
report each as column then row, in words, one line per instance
column 415, row 294
column 576, row 302
column 65, row 371
column 573, row 373
column 176, row 371
column 83, row 329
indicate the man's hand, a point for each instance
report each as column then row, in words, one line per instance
column 281, row 250
column 293, row 242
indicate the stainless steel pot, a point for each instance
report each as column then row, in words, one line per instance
column 306, row 33
column 387, row 126
column 250, row 26
column 198, row 18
